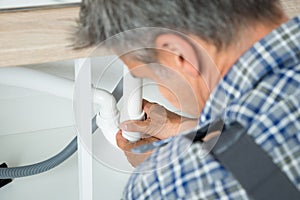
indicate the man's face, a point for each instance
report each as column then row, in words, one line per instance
column 182, row 91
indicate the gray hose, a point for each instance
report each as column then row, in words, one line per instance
column 37, row 168
column 29, row 170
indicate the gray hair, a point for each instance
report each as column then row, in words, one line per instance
column 215, row 21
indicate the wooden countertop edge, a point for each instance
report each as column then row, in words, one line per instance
column 39, row 36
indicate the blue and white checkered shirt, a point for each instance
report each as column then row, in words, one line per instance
column 262, row 92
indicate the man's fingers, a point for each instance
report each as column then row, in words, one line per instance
column 121, row 141
column 155, row 125
column 124, row 144
column 146, row 106
column 127, row 146
column 135, row 126
column 133, row 158
column 147, row 127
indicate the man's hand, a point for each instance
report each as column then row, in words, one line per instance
column 160, row 123
column 133, row 158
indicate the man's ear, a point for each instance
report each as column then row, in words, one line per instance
column 184, row 54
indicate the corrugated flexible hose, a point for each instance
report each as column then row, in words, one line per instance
column 37, row 168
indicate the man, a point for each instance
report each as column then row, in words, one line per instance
column 240, row 61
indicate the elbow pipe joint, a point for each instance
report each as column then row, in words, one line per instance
column 108, row 117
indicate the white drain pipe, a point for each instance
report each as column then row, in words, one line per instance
column 132, row 98
column 108, row 118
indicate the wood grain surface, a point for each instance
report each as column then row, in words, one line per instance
column 38, row 36
column 44, row 35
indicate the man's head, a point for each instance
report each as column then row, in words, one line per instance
column 195, row 41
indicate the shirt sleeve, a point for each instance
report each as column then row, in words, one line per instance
column 182, row 170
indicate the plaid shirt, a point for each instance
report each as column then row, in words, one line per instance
column 262, row 92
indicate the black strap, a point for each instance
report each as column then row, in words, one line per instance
column 251, row 165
